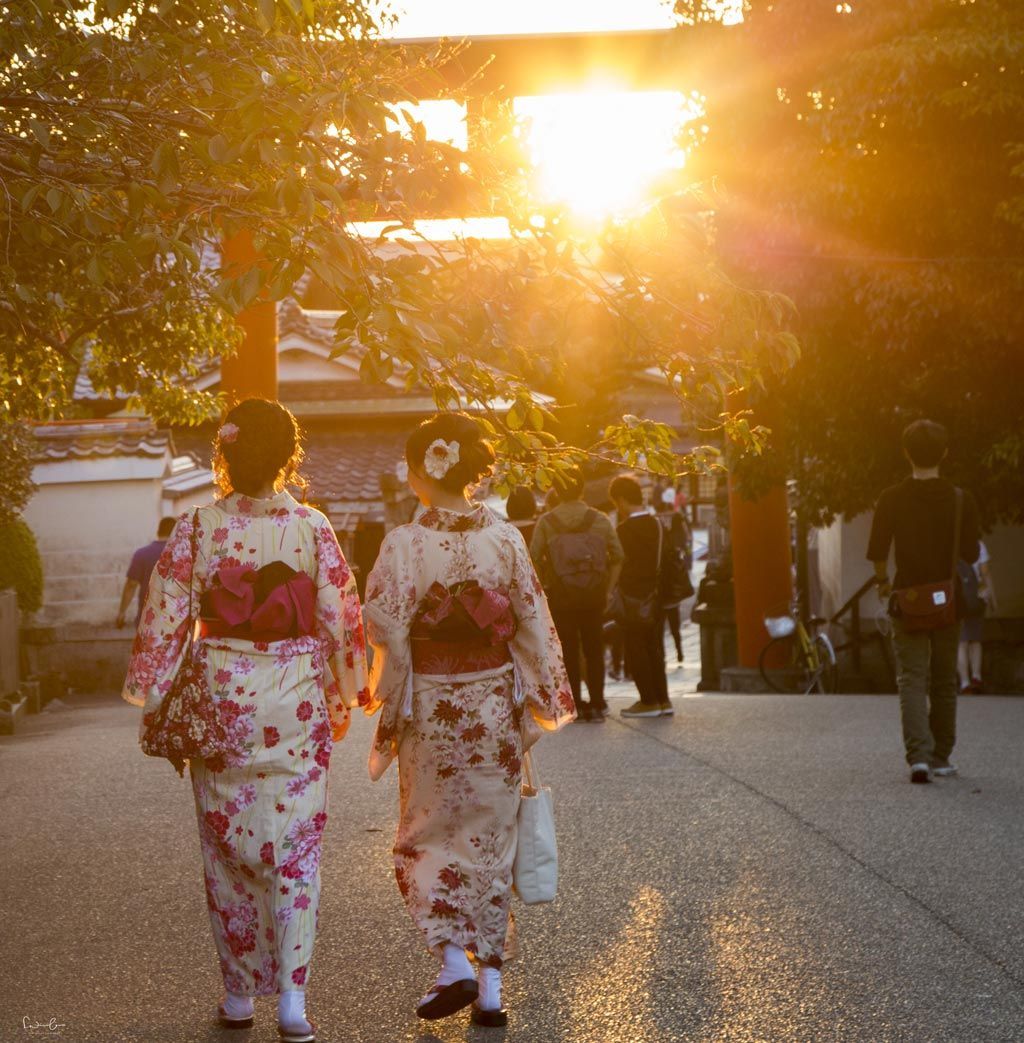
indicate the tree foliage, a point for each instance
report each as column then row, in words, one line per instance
column 872, row 154
column 16, row 485
column 21, row 568
column 136, row 134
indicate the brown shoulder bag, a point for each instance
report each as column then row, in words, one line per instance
column 931, row 606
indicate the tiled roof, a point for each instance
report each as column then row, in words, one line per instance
column 82, row 439
column 347, row 466
column 342, row 467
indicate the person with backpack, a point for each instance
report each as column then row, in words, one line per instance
column 578, row 556
column 932, row 524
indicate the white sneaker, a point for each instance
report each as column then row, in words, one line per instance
column 945, row 769
column 920, row 773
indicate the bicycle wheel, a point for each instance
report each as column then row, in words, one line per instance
column 822, row 676
column 774, row 678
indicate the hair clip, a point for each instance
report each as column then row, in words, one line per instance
column 228, row 433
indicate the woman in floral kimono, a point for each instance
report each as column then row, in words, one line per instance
column 467, row 674
column 282, row 644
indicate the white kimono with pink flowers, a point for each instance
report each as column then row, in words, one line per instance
column 459, row 734
column 262, row 808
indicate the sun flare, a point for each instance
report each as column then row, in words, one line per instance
column 600, row 152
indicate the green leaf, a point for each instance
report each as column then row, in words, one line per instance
column 268, row 11
column 219, row 148
column 41, row 132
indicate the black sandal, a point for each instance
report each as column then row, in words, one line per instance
column 447, row 999
column 491, row 1019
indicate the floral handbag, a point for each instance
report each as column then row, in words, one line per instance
column 186, row 725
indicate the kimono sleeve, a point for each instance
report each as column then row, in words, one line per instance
column 339, row 629
column 162, row 633
column 390, row 607
column 541, row 681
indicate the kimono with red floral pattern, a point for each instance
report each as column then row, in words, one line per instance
column 262, row 807
column 459, row 736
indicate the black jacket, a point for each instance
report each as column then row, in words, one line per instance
column 639, row 538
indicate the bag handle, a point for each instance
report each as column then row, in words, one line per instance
column 958, row 515
column 530, row 776
column 191, row 583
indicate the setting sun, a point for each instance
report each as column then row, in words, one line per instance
column 601, row 151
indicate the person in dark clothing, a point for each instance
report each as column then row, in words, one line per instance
column 578, row 556
column 521, row 511
column 366, row 543
column 678, row 537
column 642, row 539
column 918, row 516
column 141, row 568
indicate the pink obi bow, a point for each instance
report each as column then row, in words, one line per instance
column 265, row 604
column 465, row 612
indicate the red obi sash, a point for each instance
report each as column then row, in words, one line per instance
column 266, row 604
column 462, row 629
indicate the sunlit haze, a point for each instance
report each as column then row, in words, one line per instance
column 600, row 150
column 418, row 18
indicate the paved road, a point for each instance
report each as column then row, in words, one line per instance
column 755, row 869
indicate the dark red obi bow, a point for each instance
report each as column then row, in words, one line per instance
column 464, row 612
column 266, row 604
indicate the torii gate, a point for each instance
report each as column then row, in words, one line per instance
column 650, row 59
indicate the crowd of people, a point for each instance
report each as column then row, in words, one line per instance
column 612, row 585
column 483, row 631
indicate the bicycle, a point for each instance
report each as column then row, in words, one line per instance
column 810, row 654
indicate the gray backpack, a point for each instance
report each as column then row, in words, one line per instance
column 578, row 559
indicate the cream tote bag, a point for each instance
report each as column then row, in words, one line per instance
column 535, row 871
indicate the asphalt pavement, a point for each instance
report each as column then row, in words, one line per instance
column 756, row 868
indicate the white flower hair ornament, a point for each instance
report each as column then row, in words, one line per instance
column 228, row 433
column 440, row 458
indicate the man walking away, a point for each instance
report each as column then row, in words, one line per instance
column 578, row 557
column 141, row 568
column 643, row 618
column 932, row 524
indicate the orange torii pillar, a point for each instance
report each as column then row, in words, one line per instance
column 252, row 371
column 761, row 566
column 761, row 556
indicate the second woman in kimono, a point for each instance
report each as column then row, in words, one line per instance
column 467, row 674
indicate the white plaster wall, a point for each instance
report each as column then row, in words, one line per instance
column 297, row 366
column 1005, row 544
column 87, row 532
column 843, row 565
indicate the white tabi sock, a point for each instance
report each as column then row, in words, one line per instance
column 489, row 980
column 236, row 1007
column 455, row 967
column 291, row 1010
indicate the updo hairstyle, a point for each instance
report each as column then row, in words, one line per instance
column 476, row 456
column 264, row 449
column 521, row 504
